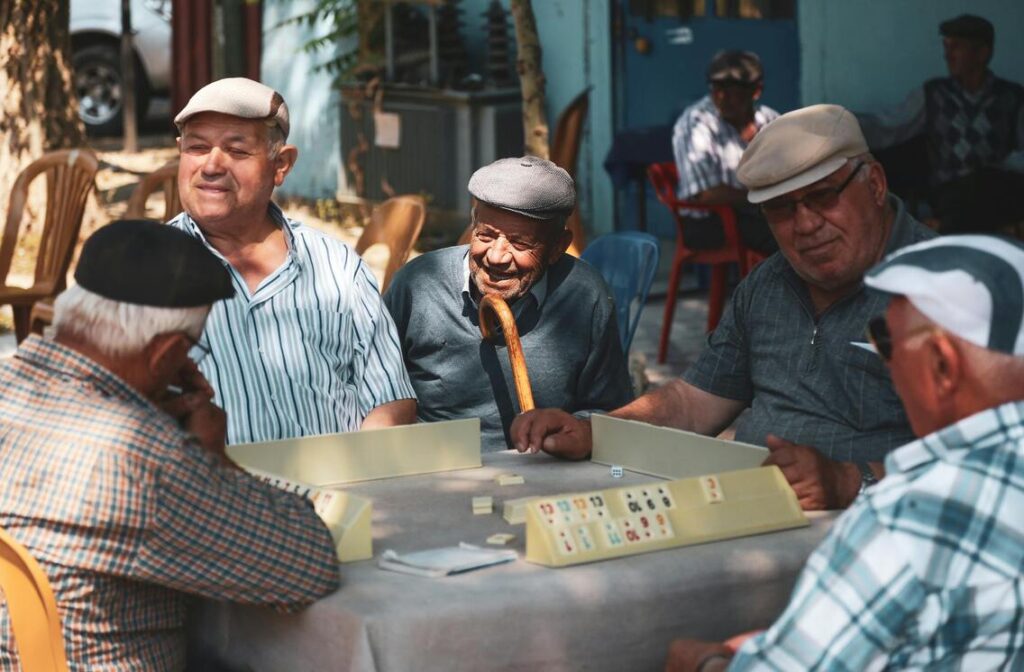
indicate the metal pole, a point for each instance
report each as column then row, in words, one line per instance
column 128, row 115
column 432, row 18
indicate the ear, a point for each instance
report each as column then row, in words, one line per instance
column 758, row 90
column 878, row 183
column 164, row 355
column 284, row 162
column 559, row 247
column 944, row 368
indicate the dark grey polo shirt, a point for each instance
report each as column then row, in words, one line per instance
column 566, row 325
column 808, row 380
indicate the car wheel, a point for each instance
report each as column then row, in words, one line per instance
column 99, row 85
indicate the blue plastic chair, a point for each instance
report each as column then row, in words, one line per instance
column 628, row 261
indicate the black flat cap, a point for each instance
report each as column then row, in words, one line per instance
column 150, row 264
column 970, row 27
column 736, row 66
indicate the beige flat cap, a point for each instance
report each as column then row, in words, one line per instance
column 799, row 148
column 239, row 97
column 527, row 185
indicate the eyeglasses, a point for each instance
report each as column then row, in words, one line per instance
column 878, row 335
column 818, row 200
column 199, row 351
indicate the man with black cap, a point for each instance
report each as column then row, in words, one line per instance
column 564, row 311
column 790, row 345
column 974, row 125
column 708, row 140
column 113, row 467
column 305, row 346
column 924, row 571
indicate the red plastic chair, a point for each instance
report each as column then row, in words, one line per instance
column 665, row 178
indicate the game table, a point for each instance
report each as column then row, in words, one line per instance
column 616, row 615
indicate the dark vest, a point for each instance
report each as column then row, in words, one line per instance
column 963, row 135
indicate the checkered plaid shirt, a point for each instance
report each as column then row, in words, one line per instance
column 126, row 515
column 924, row 571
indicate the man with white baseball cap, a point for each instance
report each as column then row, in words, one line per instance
column 924, row 570
column 305, row 346
column 790, row 346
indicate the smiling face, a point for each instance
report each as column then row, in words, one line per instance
column 226, row 173
column 831, row 247
column 509, row 252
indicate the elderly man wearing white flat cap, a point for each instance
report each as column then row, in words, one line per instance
column 306, row 345
column 790, row 346
column 563, row 309
column 924, row 571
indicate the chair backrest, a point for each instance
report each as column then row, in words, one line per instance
column 164, row 178
column 565, row 149
column 397, row 223
column 70, row 177
column 32, row 609
column 628, row 261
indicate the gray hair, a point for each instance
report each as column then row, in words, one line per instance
column 119, row 329
column 275, row 139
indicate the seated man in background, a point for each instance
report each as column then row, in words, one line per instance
column 924, row 571
column 708, row 141
column 790, row 345
column 564, row 311
column 974, row 125
column 120, row 489
column 305, row 346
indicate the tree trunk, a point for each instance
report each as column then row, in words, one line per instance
column 531, row 80
column 38, row 108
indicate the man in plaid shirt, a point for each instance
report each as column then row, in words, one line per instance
column 924, row 570
column 113, row 467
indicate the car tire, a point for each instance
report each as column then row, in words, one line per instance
column 98, row 85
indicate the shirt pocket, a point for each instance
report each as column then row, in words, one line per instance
column 326, row 348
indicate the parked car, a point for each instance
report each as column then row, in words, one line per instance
column 96, row 58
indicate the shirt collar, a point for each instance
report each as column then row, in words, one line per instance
column 539, row 289
column 69, row 364
column 276, row 214
column 992, row 427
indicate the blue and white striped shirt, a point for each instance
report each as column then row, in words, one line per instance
column 924, row 571
column 312, row 351
column 707, row 148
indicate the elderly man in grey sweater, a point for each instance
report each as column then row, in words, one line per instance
column 564, row 311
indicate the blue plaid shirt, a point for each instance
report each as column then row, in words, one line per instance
column 924, row 570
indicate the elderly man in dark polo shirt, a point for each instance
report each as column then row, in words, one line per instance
column 791, row 345
column 564, row 310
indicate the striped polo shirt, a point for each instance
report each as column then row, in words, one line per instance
column 312, row 351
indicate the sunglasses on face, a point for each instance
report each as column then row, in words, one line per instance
column 819, row 200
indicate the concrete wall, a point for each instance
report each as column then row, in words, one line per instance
column 312, row 101
column 866, row 54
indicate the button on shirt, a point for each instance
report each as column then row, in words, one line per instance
column 924, row 571
column 707, row 148
column 126, row 514
column 311, row 351
column 811, row 379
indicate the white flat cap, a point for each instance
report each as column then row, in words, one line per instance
column 528, row 185
column 971, row 286
column 239, row 97
column 799, row 148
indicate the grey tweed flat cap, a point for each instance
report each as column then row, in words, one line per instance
column 528, row 185
column 239, row 97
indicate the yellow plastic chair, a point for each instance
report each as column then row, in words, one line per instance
column 32, row 609
column 165, row 179
column 395, row 223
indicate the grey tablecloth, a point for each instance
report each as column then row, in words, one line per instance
column 613, row 615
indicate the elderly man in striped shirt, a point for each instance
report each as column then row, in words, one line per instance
column 117, row 483
column 305, row 346
column 925, row 571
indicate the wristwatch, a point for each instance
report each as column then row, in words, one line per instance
column 867, row 477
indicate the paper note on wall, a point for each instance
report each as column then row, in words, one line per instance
column 388, row 130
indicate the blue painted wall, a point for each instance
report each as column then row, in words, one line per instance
column 312, row 101
column 866, row 54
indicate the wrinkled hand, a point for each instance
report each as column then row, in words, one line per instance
column 552, row 430
column 688, row 655
column 819, row 483
column 195, row 411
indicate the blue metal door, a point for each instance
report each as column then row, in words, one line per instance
column 662, row 49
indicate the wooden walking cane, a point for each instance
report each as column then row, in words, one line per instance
column 493, row 306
